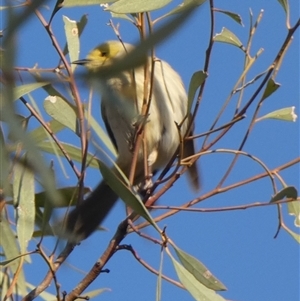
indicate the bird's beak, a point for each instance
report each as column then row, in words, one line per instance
column 81, row 62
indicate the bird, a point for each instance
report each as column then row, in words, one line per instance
column 166, row 122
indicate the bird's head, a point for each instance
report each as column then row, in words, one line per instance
column 104, row 55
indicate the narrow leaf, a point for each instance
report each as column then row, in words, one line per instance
column 10, row 249
column 199, row 270
column 133, row 6
column 197, row 80
column 25, row 89
column 69, row 197
column 39, row 134
column 73, row 151
column 285, row 114
column 72, row 36
column 131, row 198
column 296, row 236
column 287, row 192
column 195, row 288
column 236, row 17
column 71, row 3
column 294, row 209
column 285, row 5
column 186, row 4
column 61, row 111
column 23, row 192
column 270, row 89
column 226, row 36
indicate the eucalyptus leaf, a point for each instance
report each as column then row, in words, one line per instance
column 131, row 198
column 73, row 151
column 228, row 37
column 196, row 81
column 195, row 288
column 23, row 191
column 199, row 270
column 72, row 36
column 284, row 114
column 71, row 3
column 133, row 6
column 287, row 192
column 61, row 111
column 271, row 87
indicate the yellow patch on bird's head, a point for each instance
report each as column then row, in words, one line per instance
column 105, row 54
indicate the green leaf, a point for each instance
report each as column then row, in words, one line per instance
column 69, row 197
column 97, row 292
column 9, row 261
column 61, row 111
column 294, row 209
column 71, row 3
column 43, row 295
column 195, row 288
column 25, row 89
column 23, row 192
column 226, row 36
column 270, row 89
column 39, row 134
column 131, row 198
column 134, row 6
column 10, row 249
column 197, row 80
column 73, row 151
column 285, row 114
column 72, row 36
column 236, row 17
column 101, row 133
column 285, row 5
column 296, row 236
column 159, row 276
column 4, row 165
column 287, row 192
column 186, row 4
column 199, row 270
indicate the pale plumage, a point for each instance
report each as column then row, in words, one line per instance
column 122, row 97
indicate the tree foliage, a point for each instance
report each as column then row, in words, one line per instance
column 44, row 141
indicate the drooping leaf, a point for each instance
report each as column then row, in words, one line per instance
column 72, row 36
column 236, row 17
column 23, row 191
column 270, row 88
column 199, row 270
column 68, row 197
column 186, row 4
column 296, row 236
column 287, row 192
column 27, row 88
column 226, row 36
column 61, row 111
column 196, row 81
column 285, row 5
column 133, row 6
column 195, row 288
column 39, row 134
column 284, row 114
column 10, row 249
column 131, row 198
column 294, row 209
column 71, row 3
column 73, row 151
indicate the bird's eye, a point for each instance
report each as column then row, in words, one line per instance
column 103, row 54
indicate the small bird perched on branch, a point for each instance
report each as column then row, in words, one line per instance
column 165, row 122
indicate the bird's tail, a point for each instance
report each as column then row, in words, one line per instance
column 86, row 217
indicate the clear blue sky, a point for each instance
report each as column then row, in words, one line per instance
column 238, row 247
